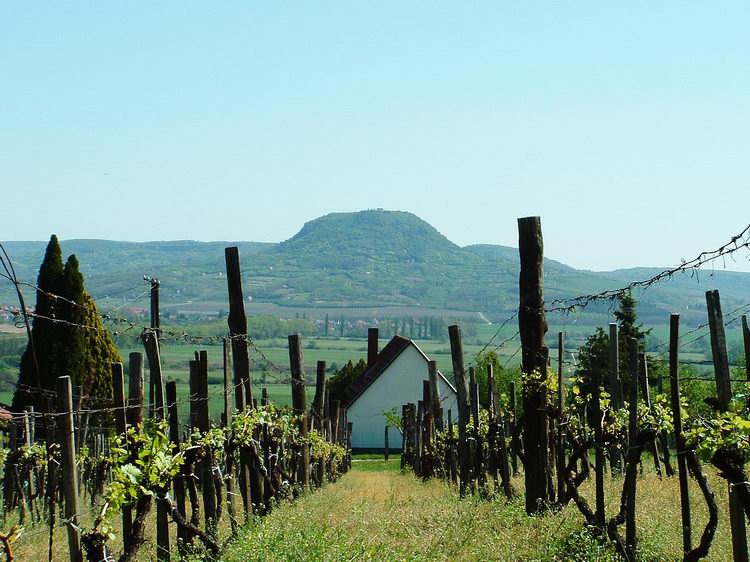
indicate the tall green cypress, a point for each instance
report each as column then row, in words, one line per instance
column 45, row 333
column 79, row 347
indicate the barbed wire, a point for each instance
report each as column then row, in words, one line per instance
column 736, row 243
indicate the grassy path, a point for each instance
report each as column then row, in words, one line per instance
column 376, row 513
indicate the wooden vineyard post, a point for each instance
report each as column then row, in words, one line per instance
column 512, row 428
column 493, row 435
column 615, row 390
column 418, row 433
column 207, row 462
column 746, row 341
column 299, row 404
column 121, row 427
column 451, row 452
column 151, row 344
column 237, row 322
column 664, row 435
column 478, row 456
column 631, row 468
column 179, row 481
column 68, row 466
column 643, row 379
column 560, row 409
column 459, row 374
column 403, row 436
column 316, row 422
column 228, row 416
column 598, row 451
column 134, row 418
column 437, row 412
column 135, row 389
column 155, row 324
column 724, row 390
column 501, row 450
column 682, row 470
column 532, row 325
column 385, row 444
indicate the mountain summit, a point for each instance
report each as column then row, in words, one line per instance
column 352, row 240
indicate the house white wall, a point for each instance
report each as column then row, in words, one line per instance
column 399, row 384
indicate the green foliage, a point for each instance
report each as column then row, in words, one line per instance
column 728, row 432
column 79, row 346
column 392, row 418
column 342, row 378
column 502, row 376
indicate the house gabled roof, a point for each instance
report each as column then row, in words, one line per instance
column 388, row 355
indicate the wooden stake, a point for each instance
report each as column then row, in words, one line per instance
column 179, row 481
column 459, row 374
column 299, row 404
column 68, row 465
column 724, row 391
column 631, row 469
column 532, row 325
column 118, row 392
column 682, row 470
column 151, row 344
column 207, row 464
column 560, row 409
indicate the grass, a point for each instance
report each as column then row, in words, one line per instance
column 376, row 513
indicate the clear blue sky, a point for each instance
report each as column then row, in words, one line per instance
column 243, row 120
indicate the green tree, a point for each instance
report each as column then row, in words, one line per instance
column 342, row 378
column 501, row 375
column 593, row 356
column 78, row 345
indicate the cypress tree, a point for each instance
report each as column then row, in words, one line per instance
column 45, row 334
column 83, row 350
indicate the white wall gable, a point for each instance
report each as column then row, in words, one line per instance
column 399, row 384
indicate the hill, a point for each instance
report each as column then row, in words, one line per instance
column 369, row 259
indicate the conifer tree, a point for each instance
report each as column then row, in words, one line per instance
column 79, row 347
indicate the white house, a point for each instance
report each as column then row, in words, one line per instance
column 392, row 379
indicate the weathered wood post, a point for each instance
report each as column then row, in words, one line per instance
column 155, row 324
column 68, row 466
column 532, row 325
column 207, row 462
column 598, row 450
column 317, row 410
column 418, row 434
column 724, row 390
column 746, row 340
column 237, row 322
column 512, row 428
column 478, row 450
column 228, row 417
column 631, row 468
column 682, row 470
column 178, row 482
column 645, row 390
column 462, row 387
column 615, row 391
column 403, row 436
column 151, row 345
column 664, row 435
column 299, row 404
column 135, row 389
column 437, row 411
column 560, row 472
column 385, row 444
column 121, row 427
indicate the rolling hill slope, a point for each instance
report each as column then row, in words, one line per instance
column 365, row 259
